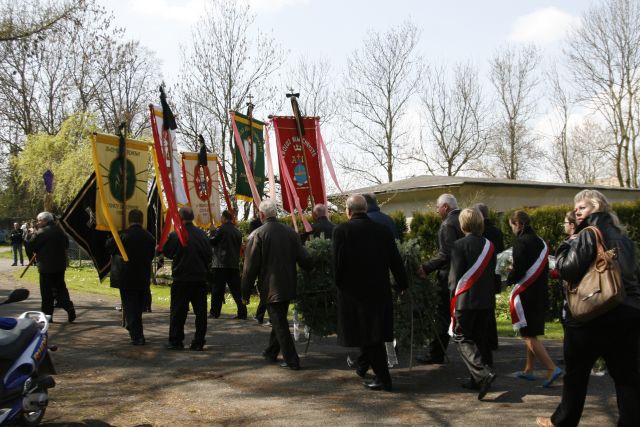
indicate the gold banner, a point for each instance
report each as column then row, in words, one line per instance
column 203, row 188
column 113, row 195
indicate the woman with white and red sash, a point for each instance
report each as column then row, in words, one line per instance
column 472, row 285
column 528, row 302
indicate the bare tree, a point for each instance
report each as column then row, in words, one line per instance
column 559, row 98
column 313, row 78
column 513, row 75
column 21, row 19
column 129, row 77
column 225, row 62
column 456, row 117
column 590, row 153
column 380, row 83
column 604, row 56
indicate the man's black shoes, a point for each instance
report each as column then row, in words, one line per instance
column 196, row 347
column 295, row 367
column 71, row 314
column 138, row 341
column 470, row 385
column 485, row 385
column 376, row 384
column 177, row 347
column 428, row 360
column 268, row 357
column 353, row 365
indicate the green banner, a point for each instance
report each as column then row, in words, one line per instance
column 243, row 192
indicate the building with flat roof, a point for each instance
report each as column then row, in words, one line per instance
column 420, row 193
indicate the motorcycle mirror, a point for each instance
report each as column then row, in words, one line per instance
column 17, row 295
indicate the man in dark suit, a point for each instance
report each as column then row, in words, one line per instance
column 449, row 232
column 272, row 252
column 377, row 216
column 226, row 243
column 189, row 268
column 50, row 245
column 364, row 252
column 132, row 277
column 495, row 236
column 321, row 226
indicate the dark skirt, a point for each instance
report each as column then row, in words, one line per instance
column 535, row 325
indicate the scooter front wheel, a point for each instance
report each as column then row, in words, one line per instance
column 35, row 405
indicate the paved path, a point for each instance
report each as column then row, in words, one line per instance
column 104, row 381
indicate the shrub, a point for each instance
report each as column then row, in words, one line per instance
column 400, row 221
column 316, row 300
column 418, row 305
column 317, row 295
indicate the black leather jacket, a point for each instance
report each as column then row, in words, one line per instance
column 226, row 244
column 190, row 263
column 574, row 257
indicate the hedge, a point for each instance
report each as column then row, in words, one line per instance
column 546, row 220
column 317, row 296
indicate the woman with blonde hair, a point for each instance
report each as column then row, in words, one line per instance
column 528, row 302
column 472, row 284
column 614, row 335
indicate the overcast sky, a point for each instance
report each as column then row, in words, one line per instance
column 455, row 30
column 452, row 31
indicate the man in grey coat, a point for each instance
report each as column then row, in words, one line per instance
column 271, row 255
column 448, row 233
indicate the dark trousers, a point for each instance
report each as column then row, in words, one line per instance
column 618, row 344
column 471, row 333
column 493, row 331
column 375, row 356
column 181, row 295
column 438, row 346
column 223, row 277
column 133, row 301
column 280, row 340
column 17, row 248
column 52, row 286
column 262, row 308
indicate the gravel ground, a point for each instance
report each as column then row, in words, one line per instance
column 104, row 381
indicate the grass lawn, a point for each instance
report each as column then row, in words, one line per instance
column 552, row 330
column 85, row 279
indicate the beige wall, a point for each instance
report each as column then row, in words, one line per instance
column 498, row 197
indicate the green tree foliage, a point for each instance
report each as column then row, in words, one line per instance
column 67, row 154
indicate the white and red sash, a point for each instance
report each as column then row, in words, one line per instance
column 469, row 278
column 515, row 305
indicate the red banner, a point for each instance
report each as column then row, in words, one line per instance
column 301, row 159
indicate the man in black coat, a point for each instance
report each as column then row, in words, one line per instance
column 495, row 236
column 364, row 252
column 321, row 225
column 16, row 244
column 189, row 268
column 132, row 277
column 226, row 243
column 449, row 232
column 272, row 252
column 50, row 245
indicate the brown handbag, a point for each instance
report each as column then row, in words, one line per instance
column 601, row 288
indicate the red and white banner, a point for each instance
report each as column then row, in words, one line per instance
column 168, row 164
column 469, row 278
column 518, row 319
column 299, row 160
column 203, row 188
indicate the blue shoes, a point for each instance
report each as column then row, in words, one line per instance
column 556, row 374
column 526, row 376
